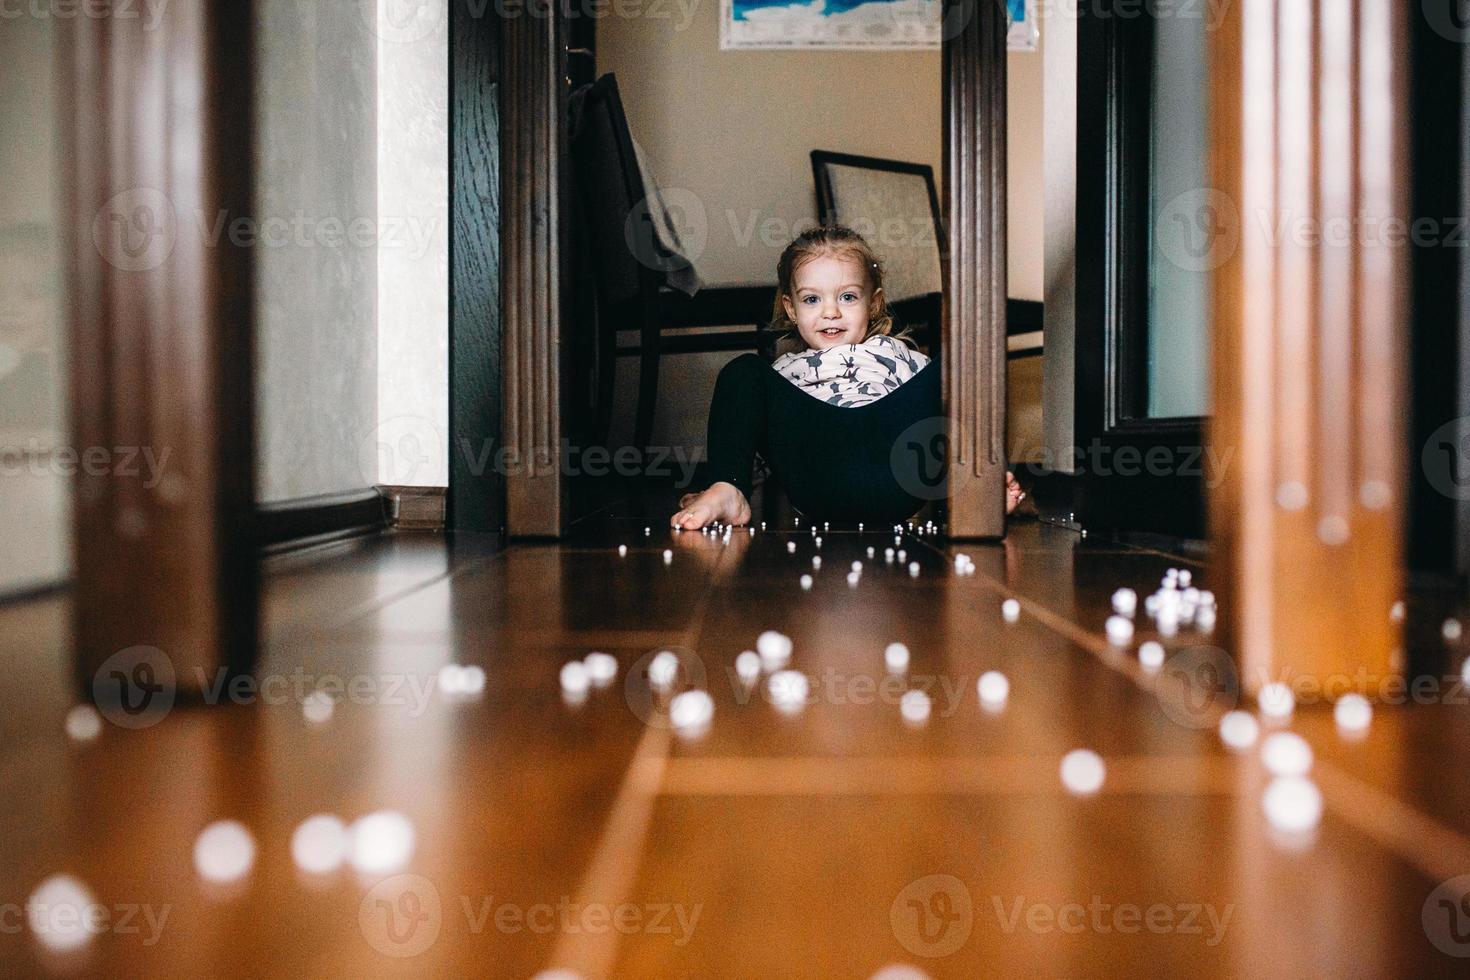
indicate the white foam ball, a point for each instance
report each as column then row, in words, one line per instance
column 1451, row 630
column 451, row 679
column 791, row 547
column 1352, row 712
column 472, row 680
column 1239, row 729
column 774, row 649
column 622, row 550
column 1125, row 602
column 601, row 667
column 224, row 851
column 1120, row 630
column 1010, row 610
column 381, row 841
column 317, row 707
column 788, row 689
column 668, row 556
column 1082, row 772
column 748, row 666
column 896, row 657
column 900, row 971
column 993, row 688
column 662, row 669
column 1396, row 612
column 913, row 569
column 1286, row 754
column 1151, row 655
column 319, row 844
column 806, row 583
column 914, row 706
column 691, row 710
column 57, row 913
column 574, row 678
column 83, row 723
column 1293, row 804
column 857, row 566
column 1276, row 701
column 853, row 578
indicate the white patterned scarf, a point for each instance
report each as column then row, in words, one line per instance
column 852, row 374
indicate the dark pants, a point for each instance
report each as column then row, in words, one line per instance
column 877, row 462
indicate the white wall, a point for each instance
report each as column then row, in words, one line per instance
column 35, row 499
column 413, row 263
column 317, row 376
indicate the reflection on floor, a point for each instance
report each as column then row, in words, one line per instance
column 829, row 841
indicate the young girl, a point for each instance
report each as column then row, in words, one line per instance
column 826, row 418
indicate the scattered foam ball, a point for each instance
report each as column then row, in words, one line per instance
column 691, row 710
column 900, row 971
column 668, row 556
column 601, row 667
column 472, row 680
column 788, row 689
column 748, row 666
column 224, row 851
column 993, row 688
column 1396, row 613
column 622, row 550
column 83, row 723
column 319, row 844
column 806, row 583
column 1010, row 610
column 661, row 669
column 1276, row 701
column 1286, row 754
column 1293, row 804
column 896, row 657
column 913, row 569
column 381, row 841
column 1239, row 729
column 317, row 707
column 57, row 913
column 574, row 679
column 915, row 707
column 774, row 649
column 1120, row 630
column 451, row 680
column 1125, row 602
column 1353, row 713
column 1082, row 772
column 1151, row 655
column 1451, row 630
column 857, row 566
column 817, row 562
column 791, row 547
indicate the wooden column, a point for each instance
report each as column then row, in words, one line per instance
column 533, row 146
column 974, row 338
column 158, row 140
column 1310, row 401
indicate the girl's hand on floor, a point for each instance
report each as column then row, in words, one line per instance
column 1014, row 493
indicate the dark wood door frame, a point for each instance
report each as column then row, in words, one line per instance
column 534, row 256
column 162, row 328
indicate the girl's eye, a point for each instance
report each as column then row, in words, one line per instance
column 849, row 296
column 808, row 299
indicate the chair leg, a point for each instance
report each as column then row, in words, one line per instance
column 647, row 380
column 606, row 367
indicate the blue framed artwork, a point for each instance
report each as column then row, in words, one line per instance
column 868, row 24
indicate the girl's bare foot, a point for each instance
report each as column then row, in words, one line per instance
column 721, row 502
column 1014, row 493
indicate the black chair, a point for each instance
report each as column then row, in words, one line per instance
column 635, row 272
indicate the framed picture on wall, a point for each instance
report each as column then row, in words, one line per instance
column 865, row 24
column 1025, row 28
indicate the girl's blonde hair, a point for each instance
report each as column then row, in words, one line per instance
column 838, row 241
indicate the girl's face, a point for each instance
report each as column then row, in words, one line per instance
column 830, row 301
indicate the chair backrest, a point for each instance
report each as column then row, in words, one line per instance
column 894, row 205
column 610, row 187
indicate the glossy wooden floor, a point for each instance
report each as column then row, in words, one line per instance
column 830, row 843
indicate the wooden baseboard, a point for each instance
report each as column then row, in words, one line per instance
column 290, row 524
column 414, row 508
